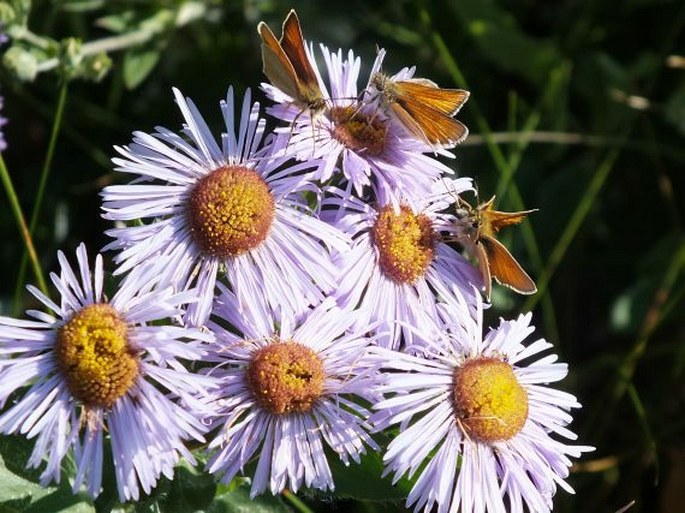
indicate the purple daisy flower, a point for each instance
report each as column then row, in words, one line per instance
column 229, row 207
column 286, row 391
column 95, row 367
column 477, row 417
column 3, row 120
column 359, row 138
column 399, row 263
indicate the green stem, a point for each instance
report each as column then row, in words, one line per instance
column 21, row 224
column 296, row 502
column 35, row 215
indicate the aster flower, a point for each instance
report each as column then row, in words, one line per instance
column 477, row 417
column 286, row 392
column 399, row 264
column 369, row 147
column 95, row 367
column 210, row 207
column 3, row 120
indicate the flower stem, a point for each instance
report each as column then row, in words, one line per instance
column 21, row 223
column 38, row 203
column 296, row 502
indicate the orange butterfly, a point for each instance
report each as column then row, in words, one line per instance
column 478, row 229
column 423, row 108
column 287, row 65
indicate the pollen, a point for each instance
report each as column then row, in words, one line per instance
column 358, row 131
column 405, row 243
column 94, row 355
column 230, row 211
column 491, row 405
column 286, row 377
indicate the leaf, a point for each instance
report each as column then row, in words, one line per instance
column 364, row 482
column 190, row 490
column 138, row 64
column 239, row 501
column 17, row 493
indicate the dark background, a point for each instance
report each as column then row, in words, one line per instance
column 583, row 101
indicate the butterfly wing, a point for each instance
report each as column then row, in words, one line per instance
column 428, row 124
column 292, row 43
column 493, row 220
column 287, row 65
column 484, row 266
column 277, row 66
column 446, row 101
column 504, row 267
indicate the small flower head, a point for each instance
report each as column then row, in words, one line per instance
column 405, row 243
column 98, row 368
column 286, row 390
column 490, row 404
column 3, row 120
column 477, row 418
column 358, row 138
column 230, row 211
column 232, row 208
column 285, row 377
column 399, row 262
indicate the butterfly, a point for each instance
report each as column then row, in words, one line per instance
column 477, row 229
column 287, row 65
column 423, row 108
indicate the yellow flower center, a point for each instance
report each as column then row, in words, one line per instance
column 357, row 131
column 286, row 377
column 230, row 211
column 405, row 243
column 491, row 405
column 93, row 353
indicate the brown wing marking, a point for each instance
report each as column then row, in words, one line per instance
column 277, row 66
column 431, row 125
column 292, row 43
column 446, row 101
column 484, row 266
column 504, row 267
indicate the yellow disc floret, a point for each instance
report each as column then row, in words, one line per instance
column 286, row 377
column 491, row 405
column 94, row 354
column 405, row 243
column 230, row 211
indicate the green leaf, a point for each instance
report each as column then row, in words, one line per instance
column 19, row 493
column 138, row 64
column 190, row 490
column 239, row 501
column 364, row 482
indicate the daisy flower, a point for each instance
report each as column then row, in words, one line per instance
column 3, row 120
column 286, row 391
column 95, row 367
column 216, row 208
column 399, row 264
column 359, row 138
column 477, row 419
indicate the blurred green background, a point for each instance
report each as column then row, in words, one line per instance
column 577, row 108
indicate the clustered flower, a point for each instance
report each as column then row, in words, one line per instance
column 3, row 120
column 285, row 295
